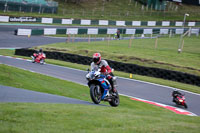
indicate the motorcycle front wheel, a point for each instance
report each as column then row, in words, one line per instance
column 41, row 61
column 95, row 93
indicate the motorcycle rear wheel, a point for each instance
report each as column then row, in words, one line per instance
column 95, row 93
column 185, row 105
column 115, row 100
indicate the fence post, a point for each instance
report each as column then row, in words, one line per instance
column 5, row 6
column 156, row 43
column 170, row 33
column 182, row 45
column 130, row 2
column 136, row 4
column 189, row 34
column 68, row 38
column 73, row 38
column 147, row 8
column 109, row 39
column 142, row 8
column 130, row 41
column 89, row 38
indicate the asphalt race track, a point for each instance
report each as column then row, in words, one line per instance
column 10, row 94
column 139, row 89
column 9, row 40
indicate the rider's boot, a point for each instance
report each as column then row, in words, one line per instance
column 114, row 84
column 108, row 92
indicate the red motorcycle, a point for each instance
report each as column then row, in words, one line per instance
column 180, row 100
column 39, row 58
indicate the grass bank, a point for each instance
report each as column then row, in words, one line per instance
column 141, row 51
column 130, row 116
column 10, row 76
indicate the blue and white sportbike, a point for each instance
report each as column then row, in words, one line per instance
column 100, row 89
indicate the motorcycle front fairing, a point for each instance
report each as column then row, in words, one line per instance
column 101, row 81
column 105, row 86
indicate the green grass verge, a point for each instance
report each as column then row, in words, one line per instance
column 187, row 87
column 130, row 116
column 141, row 52
column 10, row 76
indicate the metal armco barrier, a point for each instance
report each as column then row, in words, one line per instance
column 119, row 66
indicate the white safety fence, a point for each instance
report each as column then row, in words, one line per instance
column 4, row 18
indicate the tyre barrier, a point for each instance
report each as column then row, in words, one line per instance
column 119, row 66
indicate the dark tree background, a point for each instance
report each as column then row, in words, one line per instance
column 74, row 1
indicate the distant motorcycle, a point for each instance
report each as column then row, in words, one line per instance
column 180, row 100
column 38, row 57
column 98, row 85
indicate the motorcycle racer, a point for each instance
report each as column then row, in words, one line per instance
column 105, row 69
column 39, row 57
column 176, row 93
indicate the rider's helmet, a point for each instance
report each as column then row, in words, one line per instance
column 96, row 58
column 40, row 51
